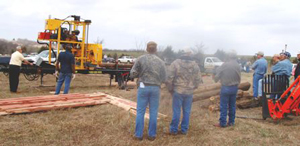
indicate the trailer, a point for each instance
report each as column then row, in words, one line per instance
column 73, row 31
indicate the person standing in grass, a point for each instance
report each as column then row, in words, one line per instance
column 151, row 73
column 65, row 66
column 260, row 67
column 183, row 78
column 229, row 74
column 15, row 64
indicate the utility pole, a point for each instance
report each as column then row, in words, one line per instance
column 285, row 48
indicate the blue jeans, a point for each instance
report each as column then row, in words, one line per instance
column 227, row 101
column 256, row 78
column 63, row 77
column 148, row 95
column 183, row 101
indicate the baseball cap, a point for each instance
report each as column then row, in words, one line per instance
column 287, row 54
column 260, row 53
column 187, row 51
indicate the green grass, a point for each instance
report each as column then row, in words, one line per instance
column 111, row 125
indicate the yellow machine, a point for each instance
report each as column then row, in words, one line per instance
column 87, row 56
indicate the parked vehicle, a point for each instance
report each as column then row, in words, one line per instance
column 126, row 59
column 211, row 63
column 44, row 55
column 109, row 60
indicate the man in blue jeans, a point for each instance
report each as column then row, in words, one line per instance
column 65, row 65
column 229, row 74
column 183, row 78
column 260, row 67
column 151, row 73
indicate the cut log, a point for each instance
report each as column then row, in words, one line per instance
column 214, row 108
column 205, row 95
column 248, row 103
column 243, row 86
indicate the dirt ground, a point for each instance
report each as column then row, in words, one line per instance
column 110, row 125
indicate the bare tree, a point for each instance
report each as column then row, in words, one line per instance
column 199, row 55
column 99, row 41
column 140, row 44
column 198, row 48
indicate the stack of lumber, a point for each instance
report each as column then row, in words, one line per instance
column 212, row 93
column 52, row 102
column 49, row 102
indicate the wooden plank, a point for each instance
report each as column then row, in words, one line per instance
column 57, row 106
column 47, row 103
column 39, row 100
column 43, row 96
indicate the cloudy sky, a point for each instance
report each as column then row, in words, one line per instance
column 246, row 26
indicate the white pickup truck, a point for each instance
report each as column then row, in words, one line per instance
column 44, row 55
column 211, row 63
column 126, row 59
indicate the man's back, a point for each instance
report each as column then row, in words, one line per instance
column 66, row 60
column 283, row 67
column 149, row 69
column 184, row 76
column 229, row 73
column 260, row 66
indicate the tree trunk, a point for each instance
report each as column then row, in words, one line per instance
column 243, row 86
column 205, row 95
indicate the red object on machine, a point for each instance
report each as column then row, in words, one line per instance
column 291, row 104
column 44, row 35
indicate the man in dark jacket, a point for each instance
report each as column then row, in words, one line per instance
column 65, row 65
column 229, row 75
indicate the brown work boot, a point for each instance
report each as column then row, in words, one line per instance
column 151, row 138
column 219, row 126
column 137, row 138
column 173, row 133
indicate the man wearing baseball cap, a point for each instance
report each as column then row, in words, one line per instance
column 151, row 73
column 297, row 71
column 260, row 67
column 284, row 66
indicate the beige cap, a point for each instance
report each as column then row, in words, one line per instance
column 151, row 47
column 260, row 53
column 19, row 48
column 152, row 44
column 187, row 51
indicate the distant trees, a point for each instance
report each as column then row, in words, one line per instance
column 7, row 47
column 169, row 55
column 222, row 55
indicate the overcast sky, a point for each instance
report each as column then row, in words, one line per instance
column 246, row 26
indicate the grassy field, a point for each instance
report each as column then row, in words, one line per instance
column 110, row 125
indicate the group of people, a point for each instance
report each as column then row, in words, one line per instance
column 281, row 66
column 181, row 79
column 65, row 69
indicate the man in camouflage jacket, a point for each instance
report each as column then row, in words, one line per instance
column 151, row 73
column 184, row 77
